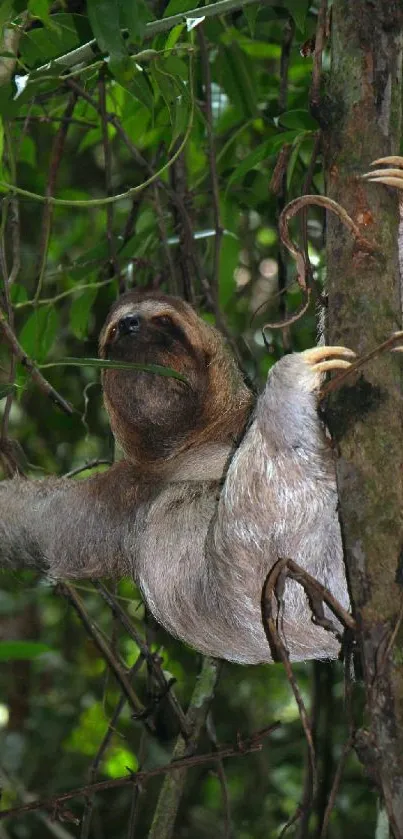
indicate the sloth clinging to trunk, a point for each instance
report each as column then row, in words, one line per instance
column 211, row 492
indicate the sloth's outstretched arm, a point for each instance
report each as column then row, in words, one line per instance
column 71, row 529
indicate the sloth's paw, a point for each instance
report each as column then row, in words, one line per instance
column 322, row 359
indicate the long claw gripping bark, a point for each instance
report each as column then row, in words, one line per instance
column 398, row 336
column 391, row 176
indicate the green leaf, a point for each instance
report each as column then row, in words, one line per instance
column 229, row 259
column 40, row 9
column 175, row 7
column 80, row 312
column 104, row 20
column 238, row 75
column 6, row 12
column 173, row 36
column 22, row 650
column 299, row 118
column 102, row 364
column 18, row 293
column 39, row 332
column 298, row 10
column 137, row 85
column 38, row 46
column 251, row 160
column 134, row 15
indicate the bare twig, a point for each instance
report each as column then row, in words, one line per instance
column 91, row 464
column 242, row 747
column 152, row 660
column 280, row 653
column 163, row 234
column 288, row 213
column 55, row 160
column 336, row 383
column 114, row 267
column 112, row 660
column 317, row 595
column 210, row 728
column 29, row 365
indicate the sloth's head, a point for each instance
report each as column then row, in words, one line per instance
column 154, row 417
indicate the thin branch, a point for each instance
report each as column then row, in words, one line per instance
column 29, row 365
column 242, row 747
column 303, row 269
column 152, row 660
column 210, row 728
column 115, row 665
column 12, row 220
column 280, row 653
column 164, row 240
column 164, row 818
column 87, row 51
column 212, row 158
column 55, row 161
column 395, row 339
column 91, row 464
column 108, row 174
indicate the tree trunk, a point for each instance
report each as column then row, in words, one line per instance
column 362, row 109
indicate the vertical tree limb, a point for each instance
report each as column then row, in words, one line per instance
column 172, row 789
column 363, row 115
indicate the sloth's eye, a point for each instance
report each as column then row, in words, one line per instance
column 163, row 320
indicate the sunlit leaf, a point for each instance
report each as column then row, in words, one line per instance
column 22, row 650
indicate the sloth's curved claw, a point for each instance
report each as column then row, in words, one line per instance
column 398, row 337
column 391, row 176
column 323, row 359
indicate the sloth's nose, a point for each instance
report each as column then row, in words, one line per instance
column 129, row 324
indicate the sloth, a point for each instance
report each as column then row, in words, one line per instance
column 213, row 488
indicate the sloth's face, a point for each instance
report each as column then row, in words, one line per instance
column 153, row 416
column 149, row 329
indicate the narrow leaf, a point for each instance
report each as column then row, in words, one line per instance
column 104, row 20
column 21, row 650
column 101, row 363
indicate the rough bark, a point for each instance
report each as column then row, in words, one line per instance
column 362, row 108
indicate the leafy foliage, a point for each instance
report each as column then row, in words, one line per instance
column 109, row 159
